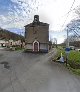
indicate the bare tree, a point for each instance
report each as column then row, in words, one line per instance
column 74, row 32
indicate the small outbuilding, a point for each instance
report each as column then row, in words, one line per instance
column 37, row 36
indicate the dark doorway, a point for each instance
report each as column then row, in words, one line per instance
column 35, row 47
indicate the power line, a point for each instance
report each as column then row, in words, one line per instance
column 64, row 23
column 69, row 12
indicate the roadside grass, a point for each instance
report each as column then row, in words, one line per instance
column 73, row 59
column 75, row 71
column 59, row 51
column 19, row 48
column 16, row 48
column 74, row 56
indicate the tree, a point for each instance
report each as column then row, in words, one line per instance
column 74, row 28
column 74, row 32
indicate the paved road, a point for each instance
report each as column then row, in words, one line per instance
column 35, row 73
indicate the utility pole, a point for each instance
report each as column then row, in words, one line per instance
column 67, row 47
column 55, row 40
column 67, row 44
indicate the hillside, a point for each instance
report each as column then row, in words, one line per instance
column 5, row 34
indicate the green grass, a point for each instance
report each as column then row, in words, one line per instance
column 76, row 71
column 59, row 51
column 73, row 59
column 18, row 48
column 74, row 56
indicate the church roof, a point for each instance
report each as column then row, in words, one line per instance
column 34, row 24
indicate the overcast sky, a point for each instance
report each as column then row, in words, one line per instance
column 14, row 14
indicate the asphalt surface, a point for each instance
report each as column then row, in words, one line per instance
column 29, row 72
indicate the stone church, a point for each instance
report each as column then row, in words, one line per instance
column 37, row 36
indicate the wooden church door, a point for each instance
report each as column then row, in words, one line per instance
column 36, row 47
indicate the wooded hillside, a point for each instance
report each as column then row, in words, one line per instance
column 7, row 35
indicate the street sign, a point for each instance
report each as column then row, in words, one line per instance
column 67, row 50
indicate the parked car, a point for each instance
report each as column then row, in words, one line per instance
column 77, row 49
column 72, row 47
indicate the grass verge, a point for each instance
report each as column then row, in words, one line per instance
column 73, row 59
